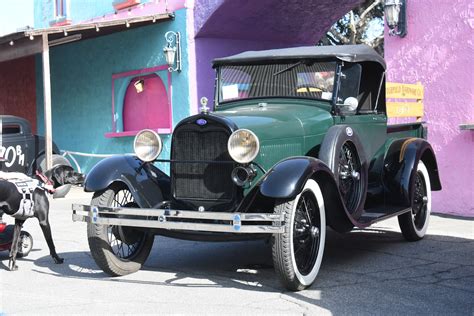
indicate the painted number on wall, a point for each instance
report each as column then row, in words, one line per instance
column 12, row 155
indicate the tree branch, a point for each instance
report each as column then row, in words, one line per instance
column 370, row 7
column 352, row 26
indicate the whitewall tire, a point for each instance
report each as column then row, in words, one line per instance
column 298, row 252
column 414, row 224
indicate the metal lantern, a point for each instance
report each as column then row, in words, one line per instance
column 172, row 51
column 395, row 15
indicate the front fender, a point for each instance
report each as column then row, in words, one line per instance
column 401, row 163
column 148, row 185
column 288, row 177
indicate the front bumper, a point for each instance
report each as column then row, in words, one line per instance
column 240, row 223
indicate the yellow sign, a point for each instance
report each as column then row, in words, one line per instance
column 404, row 91
column 404, row 109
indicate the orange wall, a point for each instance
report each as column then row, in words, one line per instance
column 18, row 89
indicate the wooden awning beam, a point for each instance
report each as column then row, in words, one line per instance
column 21, row 48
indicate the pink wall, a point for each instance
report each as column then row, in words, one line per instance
column 438, row 52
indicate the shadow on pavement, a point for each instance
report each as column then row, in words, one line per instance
column 351, row 261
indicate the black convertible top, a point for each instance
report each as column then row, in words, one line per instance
column 349, row 53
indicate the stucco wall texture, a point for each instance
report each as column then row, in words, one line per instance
column 259, row 25
column 81, row 80
column 438, row 52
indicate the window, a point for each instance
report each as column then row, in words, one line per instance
column 148, row 108
column 141, row 100
column 348, row 95
column 313, row 80
column 60, row 8
column 371, row 85
column 10, row 129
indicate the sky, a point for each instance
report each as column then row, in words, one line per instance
column 15, row 14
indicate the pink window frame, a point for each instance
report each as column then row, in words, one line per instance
column 132, row 73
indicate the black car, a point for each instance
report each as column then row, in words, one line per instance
column 22, row 151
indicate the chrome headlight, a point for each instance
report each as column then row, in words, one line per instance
column 243, row 146
column 147, row 145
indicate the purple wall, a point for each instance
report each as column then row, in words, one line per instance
column 438, row 52
column 291, row 21
column 227, row 27
column 209, row 48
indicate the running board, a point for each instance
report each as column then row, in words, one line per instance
column 372, row 216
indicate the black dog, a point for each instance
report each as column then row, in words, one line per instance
column 11, row 198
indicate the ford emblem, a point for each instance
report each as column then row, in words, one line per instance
column 349, row 131
column 201, row 122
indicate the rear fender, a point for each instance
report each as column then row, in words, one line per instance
column 148, row 185
column 288, row 177
column 401, row 161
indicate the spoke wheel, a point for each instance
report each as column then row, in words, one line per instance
column 414, row 224
column 306, row 231
column 298, row 252
column 124, row 241
column 420, row 200
column 349, row 172
column 118, row 250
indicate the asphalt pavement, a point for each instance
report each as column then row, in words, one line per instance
column 365, row 272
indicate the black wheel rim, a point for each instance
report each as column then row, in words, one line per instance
column 306, row 232
column 122, row 248
column 349, row 171
column 420, row 201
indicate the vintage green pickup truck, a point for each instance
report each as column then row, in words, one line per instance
column 298, row 141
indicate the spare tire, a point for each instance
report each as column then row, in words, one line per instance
column 342, row 151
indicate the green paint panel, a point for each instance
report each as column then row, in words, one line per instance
column 285, row 127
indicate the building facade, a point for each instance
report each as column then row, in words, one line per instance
column 97, row 107
column 437, row 52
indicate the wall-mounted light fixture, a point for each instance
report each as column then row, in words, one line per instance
column 395, row 15
column 172, row 50
column 139, row 85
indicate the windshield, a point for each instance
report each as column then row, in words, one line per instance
column 300, row 80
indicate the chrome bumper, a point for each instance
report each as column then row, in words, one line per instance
column 242, row 223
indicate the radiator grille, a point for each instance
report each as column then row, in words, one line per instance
column 202, row 181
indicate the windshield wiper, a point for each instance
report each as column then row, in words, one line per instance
column 287, row 68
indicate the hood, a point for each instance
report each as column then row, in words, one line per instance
column 281, row 119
